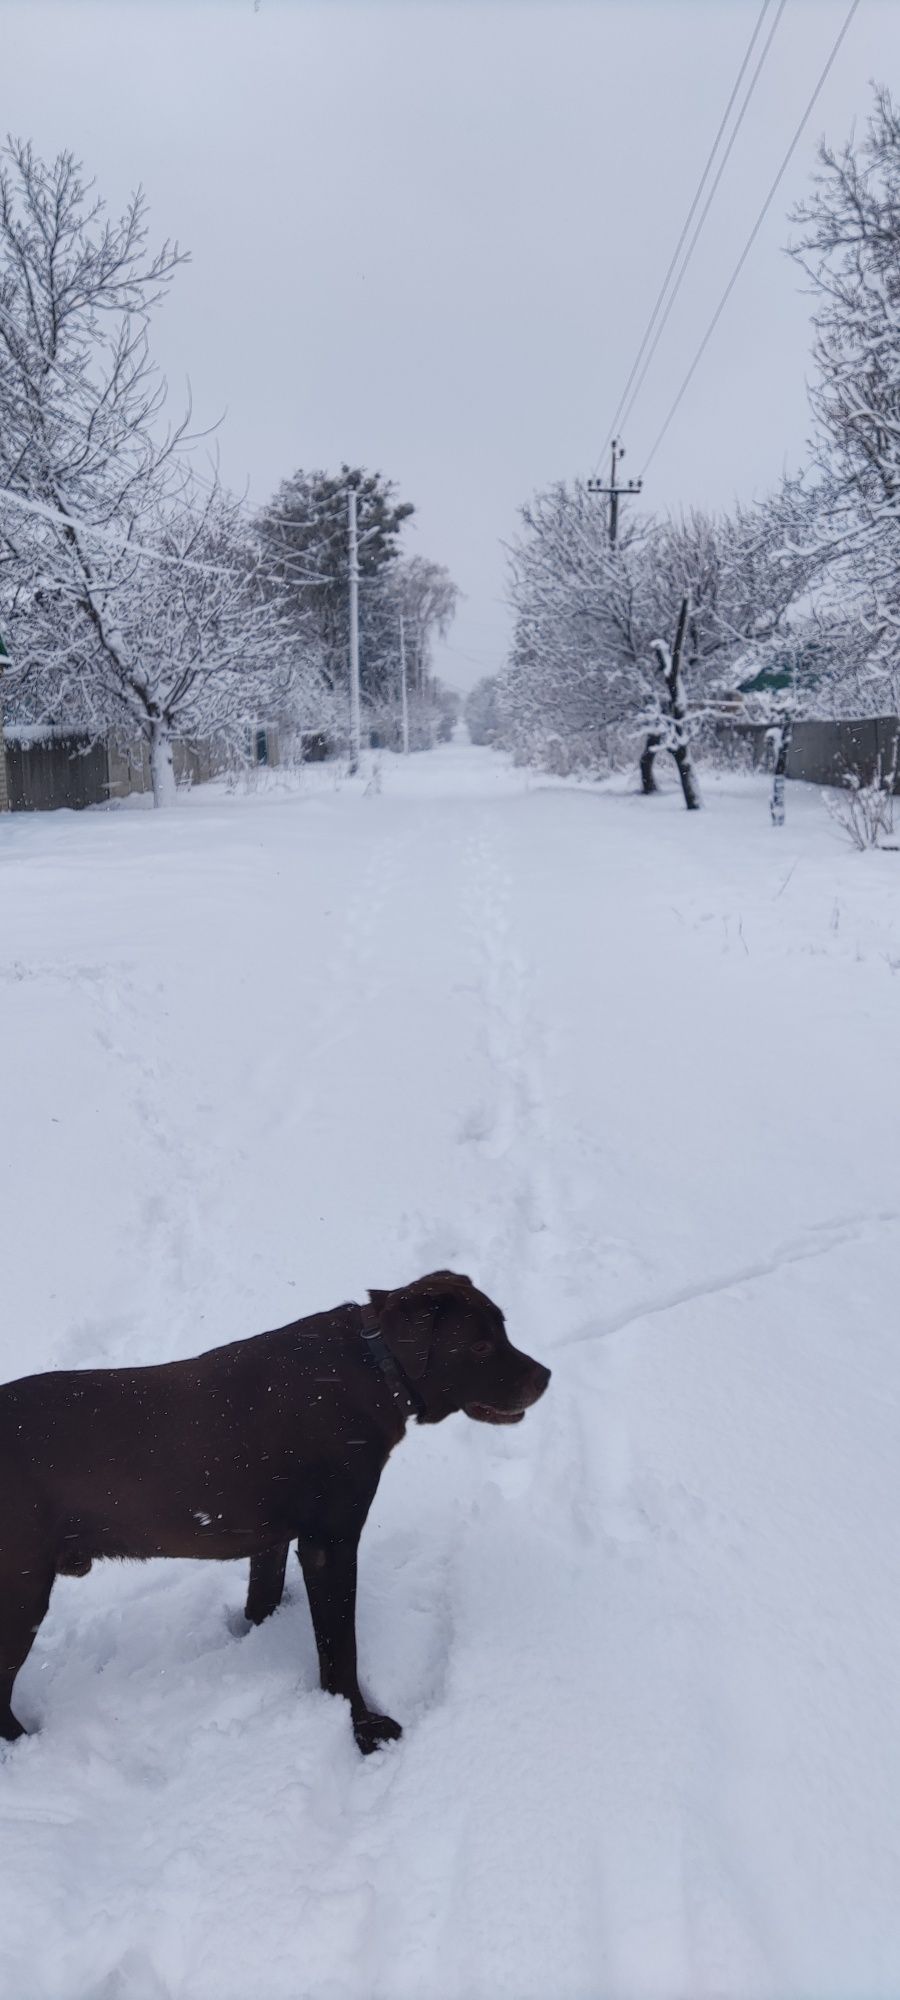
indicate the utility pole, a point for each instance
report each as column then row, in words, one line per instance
column 613, row 492
column 404, row 701
column 355, row 744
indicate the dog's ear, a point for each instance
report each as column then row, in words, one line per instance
column 455, row 1278
column 407, row 1320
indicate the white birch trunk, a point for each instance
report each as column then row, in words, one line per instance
column 162, row 763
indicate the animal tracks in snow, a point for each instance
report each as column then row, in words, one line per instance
column 506, row 1122
column 817, row 1241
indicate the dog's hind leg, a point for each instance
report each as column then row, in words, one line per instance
column 24, row 1597
column 266, row 1584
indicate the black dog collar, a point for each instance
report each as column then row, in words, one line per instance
column 399, row 1383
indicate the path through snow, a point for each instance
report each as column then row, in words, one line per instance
column 633, row 1070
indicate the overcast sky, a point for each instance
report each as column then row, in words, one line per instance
column 426, row 234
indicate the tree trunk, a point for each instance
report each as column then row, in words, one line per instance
column 669, row 664
column 688, row 776
column 648, row 759
column 162, row 764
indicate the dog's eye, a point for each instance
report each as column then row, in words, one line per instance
column 482, row 1348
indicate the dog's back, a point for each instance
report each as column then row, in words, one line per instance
column 202, row 1457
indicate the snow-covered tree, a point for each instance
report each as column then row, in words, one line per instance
column 482, row 711
column 422, row 595
column 305, row 534
column 426, row 595
column 567, row 678
column 85, row 465
column 196, row 642
column 848, row 243
column 594, row 645
column 131, row 592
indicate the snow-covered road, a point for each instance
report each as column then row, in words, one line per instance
column 636, row 1072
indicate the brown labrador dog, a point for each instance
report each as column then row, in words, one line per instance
column 241, row 1451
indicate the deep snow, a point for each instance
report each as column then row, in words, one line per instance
column 636, row 1072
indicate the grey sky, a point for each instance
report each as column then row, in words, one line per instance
column 426, row 237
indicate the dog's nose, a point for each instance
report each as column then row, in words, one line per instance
column 540, row 1376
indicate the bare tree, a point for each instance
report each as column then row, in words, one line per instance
column 574, row 671
column 427, row 596
column 97, row 520
column 589, row 662
column 848, row 243
column 203, row 646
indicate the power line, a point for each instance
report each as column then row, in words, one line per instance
column 687, row 223
column 751, row 238
column 475, row 659
column 98, row 532
column 709, row 201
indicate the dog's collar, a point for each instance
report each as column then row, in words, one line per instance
column 401, row 1388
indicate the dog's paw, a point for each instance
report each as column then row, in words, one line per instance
column 373, row 1730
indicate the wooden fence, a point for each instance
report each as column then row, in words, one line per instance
column 55, row 771
column 44, row 770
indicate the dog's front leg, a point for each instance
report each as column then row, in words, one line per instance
column 329, row 1573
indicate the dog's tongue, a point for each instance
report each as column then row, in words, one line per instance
column 482, row 1414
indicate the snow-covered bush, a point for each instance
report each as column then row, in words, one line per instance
column 864, row 812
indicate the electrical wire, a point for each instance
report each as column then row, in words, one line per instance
column 648, row 330
column 709, row 202
column 798, row 133
column 98, row 532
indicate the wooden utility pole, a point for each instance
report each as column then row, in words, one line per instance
column 614, row 492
